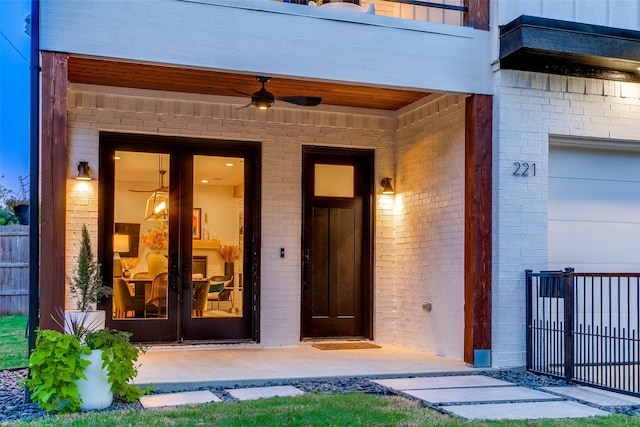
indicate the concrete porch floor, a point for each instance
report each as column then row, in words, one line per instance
column 170, row 368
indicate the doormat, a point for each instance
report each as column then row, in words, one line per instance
column 344, row 345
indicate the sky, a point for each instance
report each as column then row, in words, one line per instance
column 14, row 92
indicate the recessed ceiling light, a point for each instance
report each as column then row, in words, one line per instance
column 204, row 181
column 117, row 157
column 638, row 68
column 229, row 164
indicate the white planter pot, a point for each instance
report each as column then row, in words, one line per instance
column 91, row 320
column 95, row 391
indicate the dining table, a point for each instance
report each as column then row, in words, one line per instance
column 140, row 288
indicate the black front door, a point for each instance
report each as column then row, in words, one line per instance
column 178, row 216
column 336, row 279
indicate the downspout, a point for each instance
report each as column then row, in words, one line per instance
column 34, row 187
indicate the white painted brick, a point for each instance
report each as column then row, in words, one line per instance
column 282, row 136
column 587, row 108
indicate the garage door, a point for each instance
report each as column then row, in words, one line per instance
column 594, row 209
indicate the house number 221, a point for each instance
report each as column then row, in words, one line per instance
column 524, row 169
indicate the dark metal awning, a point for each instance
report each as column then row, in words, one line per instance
column 569, row 48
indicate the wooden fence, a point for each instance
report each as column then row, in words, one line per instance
column 14, row 269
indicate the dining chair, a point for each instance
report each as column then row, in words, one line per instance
column 123, row 302
column 199, row 298
column 157, row 301
column 218, row 290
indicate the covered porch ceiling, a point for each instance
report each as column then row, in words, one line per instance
column 175, row 79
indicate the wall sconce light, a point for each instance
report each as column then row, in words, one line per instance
column 83, row 171
column 386, row 186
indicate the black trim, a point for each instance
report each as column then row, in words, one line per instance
column 148, row 330
column 570, row 48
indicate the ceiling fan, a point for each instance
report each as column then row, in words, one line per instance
column 264, row 99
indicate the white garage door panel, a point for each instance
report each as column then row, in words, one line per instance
column 594, row 209
column 588, row 243
column 593, row 163
column 592, row 200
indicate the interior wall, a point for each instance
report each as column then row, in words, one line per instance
column 222, row 211
column 282, row 133
column 429, row 234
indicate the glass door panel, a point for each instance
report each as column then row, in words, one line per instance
column 217, row 237
column 140, row 236
column 175, row 232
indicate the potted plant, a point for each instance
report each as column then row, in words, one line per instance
column 84, row 367
column 16, row 205
column 86, row 285
column 82, row 370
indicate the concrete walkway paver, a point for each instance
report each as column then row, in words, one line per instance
column 175, row 399
column 423, row 383
column 525, row 410
column 480, row 394
column 250, row 393
column 595, row 396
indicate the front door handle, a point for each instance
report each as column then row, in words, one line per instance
column 174, row 273
column 305, row 269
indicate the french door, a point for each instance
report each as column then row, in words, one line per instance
column 179, row 237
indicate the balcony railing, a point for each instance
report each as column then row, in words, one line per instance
column 450, row 12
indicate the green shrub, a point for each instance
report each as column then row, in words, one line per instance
column 55, row 365
column 7, row 218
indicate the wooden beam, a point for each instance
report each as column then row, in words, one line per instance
column 477, row 239
column 54, row 172
column 478, row 15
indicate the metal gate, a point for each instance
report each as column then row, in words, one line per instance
column 583, row 327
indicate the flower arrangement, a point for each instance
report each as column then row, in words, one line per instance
column 230, row 252
column 157, row 238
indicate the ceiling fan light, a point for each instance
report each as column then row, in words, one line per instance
column 262, row 99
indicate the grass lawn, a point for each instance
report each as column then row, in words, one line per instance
column 13, row 344
column 350, row 409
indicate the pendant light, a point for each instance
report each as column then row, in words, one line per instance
column 157, row 208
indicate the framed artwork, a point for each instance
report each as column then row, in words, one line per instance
column 196, row 229
column 133, row 231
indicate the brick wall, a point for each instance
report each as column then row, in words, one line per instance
column 282, row 133
column 529, row 108
column 429, row 249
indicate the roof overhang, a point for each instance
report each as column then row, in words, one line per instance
column 569, row 48
column 100, row 71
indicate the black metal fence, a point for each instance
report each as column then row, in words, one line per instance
column 584, row 327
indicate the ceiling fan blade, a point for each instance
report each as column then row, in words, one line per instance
column 244, row 106
column 142, row 191
column 240, row 93
column 305, row 101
